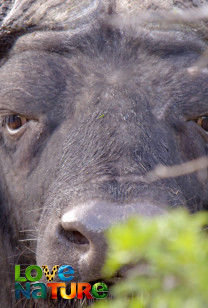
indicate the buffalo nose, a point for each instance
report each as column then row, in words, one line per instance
column 84, row 226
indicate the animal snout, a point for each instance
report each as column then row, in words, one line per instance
column 78, row 238
column 83, row 227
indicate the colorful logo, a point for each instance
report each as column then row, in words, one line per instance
column 30, row 287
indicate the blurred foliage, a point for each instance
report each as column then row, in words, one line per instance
column 168, row 257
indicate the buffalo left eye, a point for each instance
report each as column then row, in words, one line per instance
column 14, row 123
column 203, row 122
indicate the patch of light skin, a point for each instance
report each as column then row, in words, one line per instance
column 70, row 216
column 102, row 216
column 196, row 70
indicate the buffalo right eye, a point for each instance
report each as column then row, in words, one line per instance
column 203, row 122
column 14, row 123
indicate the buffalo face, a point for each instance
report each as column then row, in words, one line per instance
column 85, row 116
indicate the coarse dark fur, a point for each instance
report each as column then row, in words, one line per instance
column 106, row 101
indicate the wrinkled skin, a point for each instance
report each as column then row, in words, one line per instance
column 104, row 105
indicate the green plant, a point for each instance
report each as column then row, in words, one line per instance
column 169, row 262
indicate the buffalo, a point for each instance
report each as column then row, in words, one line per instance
column 94, row 95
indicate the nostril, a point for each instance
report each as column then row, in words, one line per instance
column 73, row 236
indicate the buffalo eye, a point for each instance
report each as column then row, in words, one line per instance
column 203, row 122
column 14, row 123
